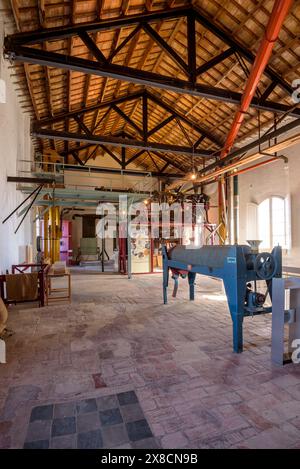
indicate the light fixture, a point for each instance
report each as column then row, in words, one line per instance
column 146, row 201
column 193, row 175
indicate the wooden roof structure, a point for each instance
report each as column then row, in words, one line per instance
column 148, row 81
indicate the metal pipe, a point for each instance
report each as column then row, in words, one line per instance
column 236, row 208
column 29, row 207
column 257, row 165
column 279, row 12
column 22, row 203
column 46, row 235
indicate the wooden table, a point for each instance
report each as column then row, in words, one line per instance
column 51, row 293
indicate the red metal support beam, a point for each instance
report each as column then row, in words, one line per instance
column 279, row 12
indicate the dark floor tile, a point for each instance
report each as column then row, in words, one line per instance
column 110, row 417
column 64, row 426
column 65, row 409
column 147, row 443
column 88, row 405
column 39, row 430
column 87, row 422
column 43, row 412
column 5, row 442
column 90, row 440
column 132, row 412
column 41, row 444
column 114, row 435
column 138, row 430
column 64, row 442
column 106, row 354
column 107, row 402
column 128, row 397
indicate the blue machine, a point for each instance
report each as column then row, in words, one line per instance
column 239, row 266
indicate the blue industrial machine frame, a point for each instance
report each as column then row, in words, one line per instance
column 238, row 269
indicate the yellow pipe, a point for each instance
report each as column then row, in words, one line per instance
column 57, row 234
column 51, row 233
column 46, row 225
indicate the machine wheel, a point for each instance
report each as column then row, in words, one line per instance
column 265, row 265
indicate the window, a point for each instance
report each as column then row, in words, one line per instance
column 273, row 216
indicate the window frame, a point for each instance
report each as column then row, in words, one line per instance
column 287, row 221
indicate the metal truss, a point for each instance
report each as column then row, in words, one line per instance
column 19, row 47
column 89, row 137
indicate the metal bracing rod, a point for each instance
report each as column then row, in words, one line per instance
column 134, row 157
column 29, row 207
column 200, row 140
column 165, row 46
column 110, row 153
column 23, row 210
column 127, row 119
column 214, row 61
column 114, row 23
column 164, row 167
column 91, row 155
column 82, row 125
column 76, row 157
column 161, row 125
column 93, row 48
column 123, row 43
column 53, row 59
column 22, row 203
column 120, row 142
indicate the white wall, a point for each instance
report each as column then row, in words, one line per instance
column 274, row 179
column 15, row 144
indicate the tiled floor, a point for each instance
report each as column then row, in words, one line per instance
column 117, row 337
column 106, row 422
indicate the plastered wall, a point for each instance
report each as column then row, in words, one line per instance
column 15, row 144
column 275, row 179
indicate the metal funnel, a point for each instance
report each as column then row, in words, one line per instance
column 254, row 244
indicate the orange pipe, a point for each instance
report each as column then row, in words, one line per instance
column 257, row 165
column 279, row 12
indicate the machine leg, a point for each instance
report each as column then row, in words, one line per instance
column 191, row 278
column 165, row 283
column 237, row 324
column 236, row 298
column 175, row 278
